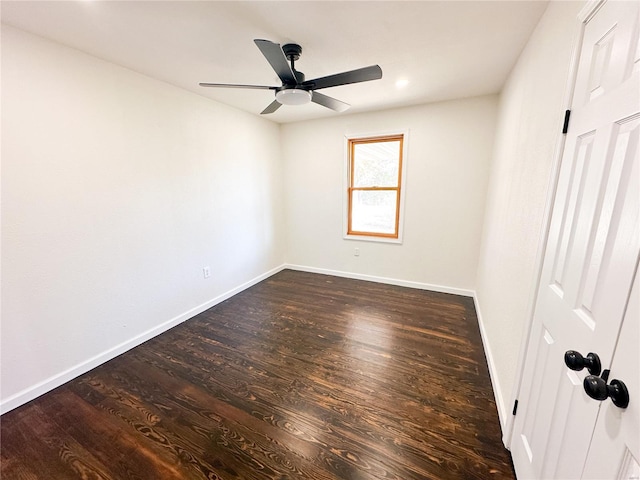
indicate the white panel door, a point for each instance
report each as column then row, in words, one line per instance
column 592, row 250
column 615, row 449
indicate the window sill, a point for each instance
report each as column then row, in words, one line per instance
column 364, row 238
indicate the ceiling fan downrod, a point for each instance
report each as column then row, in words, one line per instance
column 293, row 51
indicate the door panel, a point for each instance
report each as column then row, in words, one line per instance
column 615, row 449
column 559, row 447
column 591, row 253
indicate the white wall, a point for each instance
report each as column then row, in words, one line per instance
column 447, row 165
column 531, row 112
column 116, row 190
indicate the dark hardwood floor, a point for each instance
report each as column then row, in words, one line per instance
column 302, row 376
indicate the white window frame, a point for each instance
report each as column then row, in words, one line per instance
column 347, row 183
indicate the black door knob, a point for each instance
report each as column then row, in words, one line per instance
column 598, row 389
column 575, row 361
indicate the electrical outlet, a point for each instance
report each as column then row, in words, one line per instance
column 357, row 252
column 206, row 272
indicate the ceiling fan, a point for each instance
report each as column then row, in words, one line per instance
column 295, row 90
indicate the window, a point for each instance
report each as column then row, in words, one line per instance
column 374, row 186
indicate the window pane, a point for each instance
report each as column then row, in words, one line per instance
column 374, row 211
column 376, row 164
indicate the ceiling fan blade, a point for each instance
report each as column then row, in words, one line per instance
column 275, row 56
column 374, row 72
column 273, row 106
column 329, row 102
column 233, row 85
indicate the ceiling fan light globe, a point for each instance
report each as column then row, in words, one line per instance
column 293, row 96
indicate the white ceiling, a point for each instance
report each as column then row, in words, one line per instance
column 444, row 49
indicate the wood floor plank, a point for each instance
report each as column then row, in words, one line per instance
column 302, row 376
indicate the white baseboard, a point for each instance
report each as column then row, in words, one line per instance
column 61, row 378
column 503, row 412
column 390, row 281
column 55, row 381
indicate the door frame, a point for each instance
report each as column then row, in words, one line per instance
column 588, row 11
